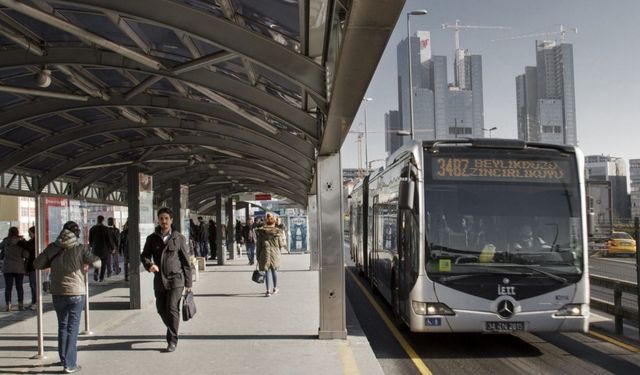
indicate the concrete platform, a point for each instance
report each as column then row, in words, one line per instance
column 237, row 330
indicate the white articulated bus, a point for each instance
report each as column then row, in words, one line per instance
column 476, row 235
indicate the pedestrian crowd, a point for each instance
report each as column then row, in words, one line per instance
column 166, row 254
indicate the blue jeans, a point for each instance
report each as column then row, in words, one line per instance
column 270, row 275
column 69, row 311
column 251, row 250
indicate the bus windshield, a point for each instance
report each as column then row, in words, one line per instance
column 489, row 212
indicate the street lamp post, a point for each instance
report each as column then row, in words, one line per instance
column 366, row 152
column 490, row 130
column 420, row 12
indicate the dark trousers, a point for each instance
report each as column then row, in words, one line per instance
column 32, row 286
column 168, row 306
column 8, row 286
column 214, row 251
column 105, row 264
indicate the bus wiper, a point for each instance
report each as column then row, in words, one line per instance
column 548, row 274
column 445, row 279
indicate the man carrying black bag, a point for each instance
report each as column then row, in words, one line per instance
column 165, row 253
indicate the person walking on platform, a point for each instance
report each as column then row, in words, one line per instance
column 213, row 235
column 165, row 254
column 123, row 248
column 14, row 253
column 249, row 237
column 203, row 238
column 67, row 258
column 114, row 233
column 100, row 242
column 30, row 245
column 270, row 243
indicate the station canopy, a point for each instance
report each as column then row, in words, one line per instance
column 226, row 96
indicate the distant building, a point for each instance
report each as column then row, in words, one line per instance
column 634, row 176
column 440, row 109
column 392, row 125
column 545, row 96
column 608, row 168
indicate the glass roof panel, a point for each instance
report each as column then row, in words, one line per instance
column 278, row 15
column 44, row 31
column 22, row 135
column 99, row 24
column 8, row 99
column 112, row 77
column 42, row 163
column 206, row 48
column 96, row 140
column 160, row 39
column 12, row 72
column 55, row 123
column 90, row 115
column 4, row 151
column 67, row 150
column 205, row 6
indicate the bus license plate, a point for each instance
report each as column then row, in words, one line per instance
column 503, row 326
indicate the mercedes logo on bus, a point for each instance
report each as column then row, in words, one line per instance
column 506, row 309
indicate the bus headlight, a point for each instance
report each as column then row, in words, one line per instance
column 428, row 308
column 572, row 309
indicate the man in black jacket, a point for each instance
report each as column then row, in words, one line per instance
column 102, row 245
column 165, row 253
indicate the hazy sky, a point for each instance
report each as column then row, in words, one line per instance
column 606, row 61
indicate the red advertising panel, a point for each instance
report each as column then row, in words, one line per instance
column 263, row 197
column 56, row 215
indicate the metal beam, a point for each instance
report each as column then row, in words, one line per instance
column 43, row 93
column 365, row 38
column 246, row 188
column 223, row 33
column 113, row 148
column 279, row 146
column 85, row 35
column 217, row 82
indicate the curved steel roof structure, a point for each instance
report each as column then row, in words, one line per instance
column 226, row 96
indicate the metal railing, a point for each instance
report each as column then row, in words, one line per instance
column 617, row 308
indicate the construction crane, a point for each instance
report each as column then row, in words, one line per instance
column 457, row 26
column 562, row 32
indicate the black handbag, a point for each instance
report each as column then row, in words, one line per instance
column 257, row 276
column 188, row 306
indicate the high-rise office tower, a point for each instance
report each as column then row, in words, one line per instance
column 613, row 169
column 546, row 96
column 634, row 195
column 440, row 110
column 393, row 141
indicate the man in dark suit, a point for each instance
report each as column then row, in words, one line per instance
column 165, row 254
column 101, row 245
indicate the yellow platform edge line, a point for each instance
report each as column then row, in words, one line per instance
column 615, row 342
column 417, row 361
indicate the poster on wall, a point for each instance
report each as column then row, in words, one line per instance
column 147, row 221
column 298, row 227
column 57, row 213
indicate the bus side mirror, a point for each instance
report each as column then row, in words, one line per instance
column 405, row 198
column 591, row 223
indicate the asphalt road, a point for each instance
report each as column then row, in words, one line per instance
column 523, row 353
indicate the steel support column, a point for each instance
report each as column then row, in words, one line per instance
column 222, row 257
column 332, row 283
column 175, row 205
column 312, row 213
column 231, row 229
column 140, row 281
column 40, row 245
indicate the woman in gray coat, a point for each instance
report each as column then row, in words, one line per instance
column 14, row 254
column 270, row 241
column 67, row 257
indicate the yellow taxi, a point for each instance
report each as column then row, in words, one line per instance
column 621, row 243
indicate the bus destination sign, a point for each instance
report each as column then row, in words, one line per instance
column 498, row 169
